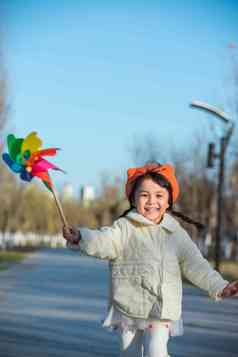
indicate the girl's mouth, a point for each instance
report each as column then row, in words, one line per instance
column 152, row 209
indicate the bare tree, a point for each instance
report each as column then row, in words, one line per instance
column 197, row 185
column 147, row 148
column 3, row 94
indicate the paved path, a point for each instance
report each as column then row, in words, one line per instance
column 52, row 305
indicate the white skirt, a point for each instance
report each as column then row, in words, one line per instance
column 115, row 319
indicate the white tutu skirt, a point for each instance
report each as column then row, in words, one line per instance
column 115, row 319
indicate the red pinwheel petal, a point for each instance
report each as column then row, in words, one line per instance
column 37, row 155
column 47, row 152
column 44, row 152
column 44, row 176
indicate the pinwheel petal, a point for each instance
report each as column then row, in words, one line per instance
column 11, row 164
column 44, row 176
column 32, row 142
column 37, row 155
column 19, row 160
column 26, row 176
column 44, row 165
column 14, row 146
column 47, row 152
column 10, row 141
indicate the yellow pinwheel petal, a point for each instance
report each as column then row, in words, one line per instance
column 32, row 142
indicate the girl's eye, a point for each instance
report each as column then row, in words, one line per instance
column 143, row 195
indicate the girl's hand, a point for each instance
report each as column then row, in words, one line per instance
column 230, row 290
column 71, row 234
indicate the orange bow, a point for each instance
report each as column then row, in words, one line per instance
column 165, row 170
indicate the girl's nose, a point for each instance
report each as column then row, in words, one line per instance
column 151, row 199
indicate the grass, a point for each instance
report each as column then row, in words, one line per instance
column 8, row 258
column 229, row 270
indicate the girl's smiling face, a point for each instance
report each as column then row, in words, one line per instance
column 151, row 200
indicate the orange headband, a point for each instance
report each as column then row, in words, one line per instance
column 165, row 170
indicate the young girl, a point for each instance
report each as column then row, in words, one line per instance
column 148, row 251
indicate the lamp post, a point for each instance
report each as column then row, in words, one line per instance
column 224, row 140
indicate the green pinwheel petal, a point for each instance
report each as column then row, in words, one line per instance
column 10, row 143
column 18, row 159
column 14, row 146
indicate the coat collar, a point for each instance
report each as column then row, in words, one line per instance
column 168, row 222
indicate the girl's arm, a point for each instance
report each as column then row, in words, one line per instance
column 198, row 270
column 104, row 243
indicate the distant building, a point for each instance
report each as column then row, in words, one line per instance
column 87, row 194
column 67, row 191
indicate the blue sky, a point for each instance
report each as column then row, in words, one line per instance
column 91, row 77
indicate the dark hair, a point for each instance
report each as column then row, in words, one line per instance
column 163, row 182
column 200, row 226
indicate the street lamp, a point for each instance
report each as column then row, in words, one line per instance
column 224, row 140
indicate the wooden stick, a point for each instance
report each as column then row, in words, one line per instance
column 59, row 207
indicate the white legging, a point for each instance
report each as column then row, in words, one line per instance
column 149, row 343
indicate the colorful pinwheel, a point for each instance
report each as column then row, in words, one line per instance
column 26, row 158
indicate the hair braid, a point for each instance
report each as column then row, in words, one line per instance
column 198, row 225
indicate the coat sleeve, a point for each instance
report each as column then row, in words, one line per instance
column 104, row 243
column 197, row 269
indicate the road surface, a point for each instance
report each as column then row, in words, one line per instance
column 52, row 305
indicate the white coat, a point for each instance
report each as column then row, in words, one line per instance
column 147, row 261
